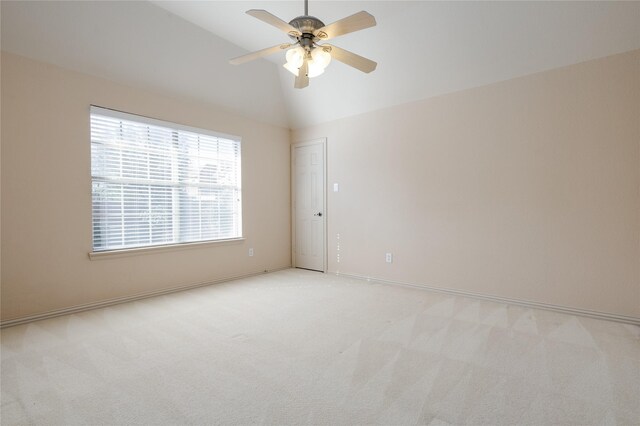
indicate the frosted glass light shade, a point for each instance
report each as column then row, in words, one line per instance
column 315, row 69
column 321, row 57
column 292, row 69
column 295, row 56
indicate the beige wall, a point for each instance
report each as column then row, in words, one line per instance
column 526, row 189
column 46, row 194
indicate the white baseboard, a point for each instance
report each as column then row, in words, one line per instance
column 519, row 302
column 110, row 302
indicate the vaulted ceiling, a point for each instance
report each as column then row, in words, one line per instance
column 423, row 49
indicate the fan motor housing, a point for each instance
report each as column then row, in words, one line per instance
column 306, row 25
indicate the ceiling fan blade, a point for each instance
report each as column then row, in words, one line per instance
column 259, row 54
column 271, row 19
column 302, row 80
column 356, row 22
column 351, row 59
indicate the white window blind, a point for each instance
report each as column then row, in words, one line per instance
column 157, row 183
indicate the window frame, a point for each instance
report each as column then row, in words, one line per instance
column 176, row 127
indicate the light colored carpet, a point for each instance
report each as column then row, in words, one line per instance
column 299, row 347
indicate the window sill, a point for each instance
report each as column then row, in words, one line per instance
column 110, row 254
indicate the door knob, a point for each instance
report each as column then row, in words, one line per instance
column 318, row 214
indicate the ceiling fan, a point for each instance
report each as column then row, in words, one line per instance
column 305, row 57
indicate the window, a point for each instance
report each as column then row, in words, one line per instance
column 157, row 183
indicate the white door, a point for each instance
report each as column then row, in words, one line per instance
column 309, row 205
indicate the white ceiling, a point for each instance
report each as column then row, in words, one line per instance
column 139, row 44
column 423, row 49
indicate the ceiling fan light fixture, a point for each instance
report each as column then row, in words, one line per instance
column 309, row 59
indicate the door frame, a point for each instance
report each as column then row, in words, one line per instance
column 323, row 142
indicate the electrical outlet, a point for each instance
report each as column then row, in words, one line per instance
column 335, row 187
column 250, row 252
column 388, row 258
